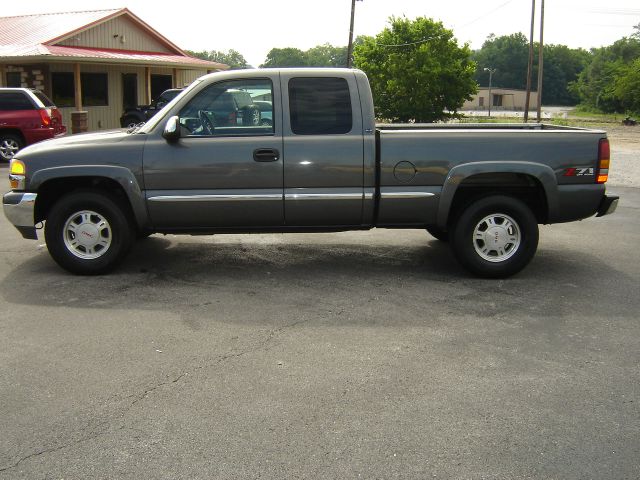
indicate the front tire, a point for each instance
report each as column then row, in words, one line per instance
column 88, row 233
column 495, row 237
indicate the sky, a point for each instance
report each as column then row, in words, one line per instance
column 253, row 27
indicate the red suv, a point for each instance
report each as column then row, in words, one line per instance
column 26, row 117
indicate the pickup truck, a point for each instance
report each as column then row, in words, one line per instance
column 322, row 165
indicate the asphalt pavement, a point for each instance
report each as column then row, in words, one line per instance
column 348, row 355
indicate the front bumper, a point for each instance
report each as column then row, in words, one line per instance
column 607, row 206
column 19, row 209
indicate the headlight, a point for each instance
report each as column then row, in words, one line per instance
column 17, row 173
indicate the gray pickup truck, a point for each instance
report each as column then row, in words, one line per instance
column 321, row 165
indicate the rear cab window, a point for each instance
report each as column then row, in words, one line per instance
column 320, row 106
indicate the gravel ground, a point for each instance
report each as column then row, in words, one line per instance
column 625, row 156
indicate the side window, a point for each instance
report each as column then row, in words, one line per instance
column 15, row 101
column 320, row 106
column 230, row 108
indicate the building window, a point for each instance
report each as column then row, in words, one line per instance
column 62, row 89
column 320, row 106
column 14, row 80
column 481, row 101
column 497, row 100
column 95, row 89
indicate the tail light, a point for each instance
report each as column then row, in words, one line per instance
column 45, row 116
column 604, row 158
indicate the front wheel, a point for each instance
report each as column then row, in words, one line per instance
column 495, row 237
column 87, row 233
column 9, row 145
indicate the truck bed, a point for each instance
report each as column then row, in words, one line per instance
column 481, row 126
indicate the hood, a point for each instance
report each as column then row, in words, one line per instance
column 99, row 138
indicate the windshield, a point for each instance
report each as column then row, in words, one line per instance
column 158, row 117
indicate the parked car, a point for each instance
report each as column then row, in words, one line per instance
column 326, row 167
column 142, row 113
column 26, row 116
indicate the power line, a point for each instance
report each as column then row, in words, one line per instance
column 425, row 40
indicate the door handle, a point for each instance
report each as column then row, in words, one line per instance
column 266, row 155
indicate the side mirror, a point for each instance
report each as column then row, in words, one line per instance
column 172, row 130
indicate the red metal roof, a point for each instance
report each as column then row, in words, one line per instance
column 35, row 29
column 130, row 56
column 36, row 35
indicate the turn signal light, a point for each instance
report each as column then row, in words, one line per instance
column 17, row 167
column 604, row 154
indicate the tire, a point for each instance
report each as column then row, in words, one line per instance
column 88, row 233
column 10, row 144
column 131, row 122
column 438, row 233
column 495, row 237
column 251, row 117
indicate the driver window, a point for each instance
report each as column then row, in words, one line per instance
column 237, row 107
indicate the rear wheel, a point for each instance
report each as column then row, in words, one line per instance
column 495, row 237
column 131, row 121
column 10, row 143
column 251, row 116
column 88, row 233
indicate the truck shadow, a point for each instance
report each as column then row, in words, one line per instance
column 170, row 274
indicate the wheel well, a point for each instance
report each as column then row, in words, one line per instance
column 14, row 131
column 525, row 188
column 52, row 190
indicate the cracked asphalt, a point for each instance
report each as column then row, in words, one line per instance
column 349, row 355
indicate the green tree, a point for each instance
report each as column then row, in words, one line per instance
column 600, row 85
column 326, row 56
column 508, row 55
column 562, row 65
column 417, row 70
column 233, row 58
column 626, row 86
column 285, row 57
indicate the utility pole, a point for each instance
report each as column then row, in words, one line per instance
column 530, row 65
column 491, row 72
column 540, row 61
column 350, row 47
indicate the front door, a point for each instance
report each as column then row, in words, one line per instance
column 227, row 170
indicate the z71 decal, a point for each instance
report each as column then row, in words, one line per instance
column 579, row 172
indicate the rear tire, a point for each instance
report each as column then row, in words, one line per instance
column 251, row 117
column 10, row 144
column 88, row 233
column 131, row 122
column 495, row 237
